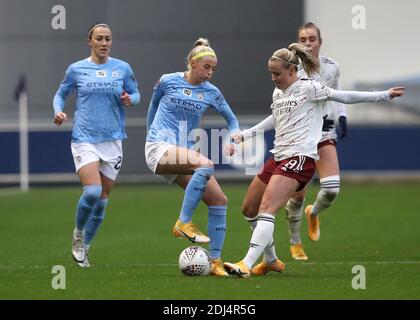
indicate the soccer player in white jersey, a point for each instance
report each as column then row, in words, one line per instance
column 177, row 105
column 104, row 86
column 327, row 166
column 297, row 112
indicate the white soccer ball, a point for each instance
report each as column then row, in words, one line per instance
column 194, row 261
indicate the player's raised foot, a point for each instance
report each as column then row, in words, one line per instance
column 313, row 224
column 265, row 267
column 190, row 231
column 216, row 268
column 296, row 250
column 240, row 269
column 78, row 249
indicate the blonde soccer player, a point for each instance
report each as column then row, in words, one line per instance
column 327, row 166
column 179, row 100
column 297, row 111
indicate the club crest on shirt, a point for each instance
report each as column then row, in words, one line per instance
column 200, row 96
column 277, row 95
column 115, row 73
column 187, row 92
column 101, row 73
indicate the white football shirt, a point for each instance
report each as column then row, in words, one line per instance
column 297, row 116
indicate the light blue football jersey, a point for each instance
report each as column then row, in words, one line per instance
column 99, row 113
column 177, row 106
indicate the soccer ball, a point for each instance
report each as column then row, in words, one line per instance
column 194, row 261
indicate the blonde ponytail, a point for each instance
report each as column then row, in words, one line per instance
column 309, row 63
column 296, row 54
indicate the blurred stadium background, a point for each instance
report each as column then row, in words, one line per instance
column 155, row 36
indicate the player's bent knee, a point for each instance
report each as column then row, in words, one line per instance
column 205, row 163
column 92, row 193
column 219, row 200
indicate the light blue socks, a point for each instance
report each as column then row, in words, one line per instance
column 95, row 220
column 216, row 230
column 87, row 202
column 194, row 192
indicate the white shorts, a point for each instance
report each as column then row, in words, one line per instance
column 154, row 151
column 109, row 154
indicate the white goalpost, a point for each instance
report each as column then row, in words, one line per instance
column 23, row 140
column 21, row 96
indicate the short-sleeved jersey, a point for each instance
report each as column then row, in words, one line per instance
column 99, row 113
column 180, row 106
column 297, row 114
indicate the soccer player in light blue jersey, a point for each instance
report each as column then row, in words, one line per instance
column 103, row 86
column 177, row 105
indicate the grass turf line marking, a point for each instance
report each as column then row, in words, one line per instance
column 163, row 265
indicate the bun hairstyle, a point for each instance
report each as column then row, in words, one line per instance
column 96, row 25
column 201, row 42
column 200, row 49
column 296, row 54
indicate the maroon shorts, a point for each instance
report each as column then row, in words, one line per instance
column 331, row 142
column 300, row 168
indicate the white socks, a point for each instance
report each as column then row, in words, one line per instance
column 270, row 250
column 261, row 238
column 330, row 187
column 294, row 212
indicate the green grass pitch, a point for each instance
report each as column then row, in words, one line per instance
column 135, row 256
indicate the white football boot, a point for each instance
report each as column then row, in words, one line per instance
column 85, row 264
column 78, row 249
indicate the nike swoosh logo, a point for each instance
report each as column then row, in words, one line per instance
column 186, row 236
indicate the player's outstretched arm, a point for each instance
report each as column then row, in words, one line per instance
column 241, row 136
column 352, row 97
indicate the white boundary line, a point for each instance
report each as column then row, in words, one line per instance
column 163, row 265
column 360, row 262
